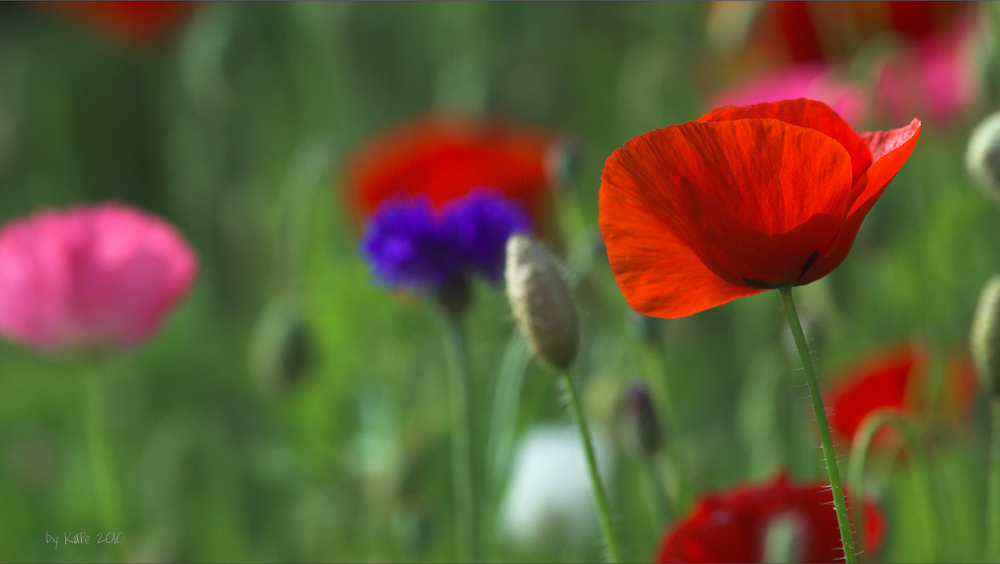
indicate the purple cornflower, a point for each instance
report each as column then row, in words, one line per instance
column 414, row 247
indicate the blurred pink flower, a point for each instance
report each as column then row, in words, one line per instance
column 90, row 277
column 813, row 81
column 939, row 75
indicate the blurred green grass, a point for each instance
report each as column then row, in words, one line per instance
column 237, row 131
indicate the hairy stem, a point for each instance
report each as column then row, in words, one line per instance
column 600, row 497
column 840, row 505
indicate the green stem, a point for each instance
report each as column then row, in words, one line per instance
column 993, row 488
column 102, row 465
column 600, row 497
column 664, row 504
column 466, row 528
column 850, row 557
column 859, row 457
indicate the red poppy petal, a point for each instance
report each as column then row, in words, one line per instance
column 445, row 157
column 658, row 274
column 874, row 529
column 890, row 149
column 805, row 113
column 756, row 200
column 877, row 382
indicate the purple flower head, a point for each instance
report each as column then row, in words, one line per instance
column 411, row 246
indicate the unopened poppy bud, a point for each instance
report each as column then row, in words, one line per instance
column 982, row 157
column 985, row 338
column 541, row 301
column 639, row 425
column 281, row 350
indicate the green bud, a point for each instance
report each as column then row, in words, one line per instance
column 541, row 301
column 982, row 158
column 984, row 340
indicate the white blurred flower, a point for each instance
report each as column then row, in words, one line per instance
column 549, row 497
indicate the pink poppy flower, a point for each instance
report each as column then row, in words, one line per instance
column 90, row 277
column 939, row 75
column 812, row 81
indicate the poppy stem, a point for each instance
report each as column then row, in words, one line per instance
column 102, row 464
column 993, row 487
column 465, row 522
column 600, row 497
column 850, row 556
column 856, row 472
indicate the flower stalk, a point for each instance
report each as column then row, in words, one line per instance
column 600, row 496
column 859, row 457
column 830, row 457
column 465, row 518
column 993, row 487
column 107, row 491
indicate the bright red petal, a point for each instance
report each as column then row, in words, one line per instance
column 445, row 158
column 756, row 200
column 805, row 113
column 732, row 527
column 890, row 149
column 878, row 382
column 658, row 274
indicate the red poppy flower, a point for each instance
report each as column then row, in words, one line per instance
column 743, row 200
column 733, row 527
column 846, row 24
column 886, row 380
column 446, row 157
column 137, row 23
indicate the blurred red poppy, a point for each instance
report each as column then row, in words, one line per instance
column 931, row 66
column 140, row 24
column 887, row 379
column 846, row 24
column 734, row 526
column 741, row 201
column 446, row 157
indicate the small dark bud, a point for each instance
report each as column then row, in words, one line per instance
column 640, row 428
column 281, row 349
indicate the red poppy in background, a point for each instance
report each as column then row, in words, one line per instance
column 846, row 24
column 743, row 200
column 140, row 24
column 733, row 527
column 887, row 379
column 446, row 157
column 931, row 67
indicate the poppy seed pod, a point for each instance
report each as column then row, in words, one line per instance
column 541, row 301
column 982, row 157
column 985, row 338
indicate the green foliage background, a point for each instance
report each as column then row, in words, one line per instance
column 237, row 131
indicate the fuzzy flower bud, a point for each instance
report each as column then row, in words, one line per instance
column 541, row 301
column 985, row 337
column 982, row 158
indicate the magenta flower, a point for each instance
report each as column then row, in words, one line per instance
column 91, row 277
column 815, row 81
